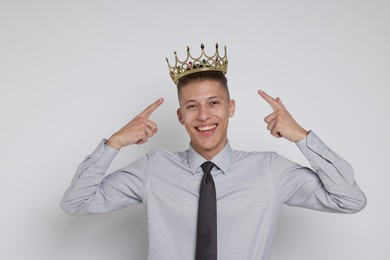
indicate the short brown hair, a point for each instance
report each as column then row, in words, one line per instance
column 202, row 76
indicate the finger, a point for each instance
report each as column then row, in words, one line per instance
column 270, row 117
column 143, row 138
column 142, row 141
column 274, row 129
column 280, row 102
column 269, row 99
column 275, row 132
column 149, row 132
column 271, row 125
column 149, row 110
column 150, row 124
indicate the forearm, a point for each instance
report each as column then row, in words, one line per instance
column 335, row 173
column 87, row 179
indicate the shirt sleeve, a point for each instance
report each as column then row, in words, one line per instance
column 330, row 187
column 92, row 193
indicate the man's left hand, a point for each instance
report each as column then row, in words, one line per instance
column 280, row 122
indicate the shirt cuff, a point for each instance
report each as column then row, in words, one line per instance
column 103, row 154
column 312, row 146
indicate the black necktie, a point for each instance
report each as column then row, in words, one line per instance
column 206, row 240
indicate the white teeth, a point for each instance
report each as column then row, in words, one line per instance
column 206, row 128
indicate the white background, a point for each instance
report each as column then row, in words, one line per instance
column 74, row 72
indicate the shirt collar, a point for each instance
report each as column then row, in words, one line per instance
column 221, row 160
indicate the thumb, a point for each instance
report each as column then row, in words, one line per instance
column 280, row 102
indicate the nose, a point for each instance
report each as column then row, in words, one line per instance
column 203, row 113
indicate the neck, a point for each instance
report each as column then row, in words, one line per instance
column 209, row 154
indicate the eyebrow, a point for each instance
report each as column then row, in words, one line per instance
column 193, row 100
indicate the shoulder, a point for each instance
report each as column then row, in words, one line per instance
column 162, row 154
column 255, row 156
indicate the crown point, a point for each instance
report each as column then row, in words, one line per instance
column 188, row 48
column 216, row 45
column 202, row 46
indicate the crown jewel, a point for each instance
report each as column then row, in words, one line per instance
column 202, row 63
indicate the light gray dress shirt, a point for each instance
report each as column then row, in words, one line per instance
column 251, row 188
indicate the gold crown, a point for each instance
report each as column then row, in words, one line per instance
column 202, row 63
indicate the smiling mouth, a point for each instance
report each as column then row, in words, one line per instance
column 206, row 128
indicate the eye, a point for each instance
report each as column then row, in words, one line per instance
column 214, row 103
column 191, row 106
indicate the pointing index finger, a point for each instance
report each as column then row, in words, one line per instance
column 150, row 109
column 273, row 103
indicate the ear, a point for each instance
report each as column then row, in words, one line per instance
column 179, row 116
column 232, row 107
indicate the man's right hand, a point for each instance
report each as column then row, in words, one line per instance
column 138, row 130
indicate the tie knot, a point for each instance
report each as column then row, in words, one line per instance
column 207, row 166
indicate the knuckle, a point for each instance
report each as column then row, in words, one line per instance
column 139, row 119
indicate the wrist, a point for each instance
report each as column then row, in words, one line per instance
column 112, row 142
column 301, row 135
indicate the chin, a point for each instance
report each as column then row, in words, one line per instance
column 208, row 146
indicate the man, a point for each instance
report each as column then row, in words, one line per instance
column 230, row 211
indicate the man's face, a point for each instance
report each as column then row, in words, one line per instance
column 205, row 110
